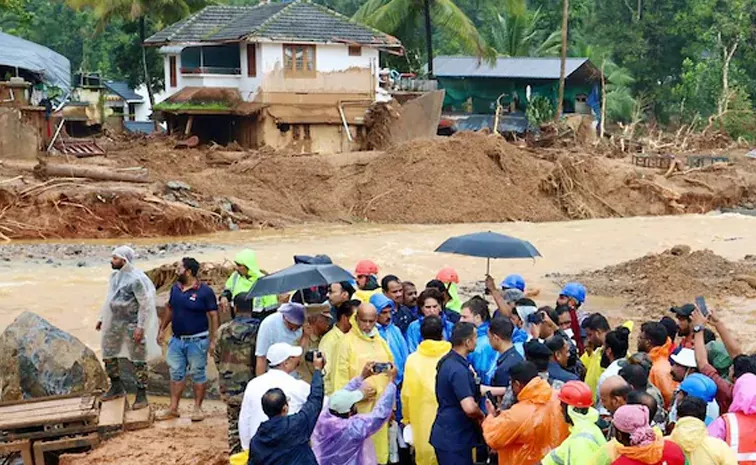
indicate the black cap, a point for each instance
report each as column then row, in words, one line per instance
column 536, row 349
column 684, row 311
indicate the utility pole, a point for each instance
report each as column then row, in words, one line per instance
column 563, row 64
column 428, row 36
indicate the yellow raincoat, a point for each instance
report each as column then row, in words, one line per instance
column 354, row 351
column 593, row 367
column 419, row 404
column 700, row 448
column 329, row 348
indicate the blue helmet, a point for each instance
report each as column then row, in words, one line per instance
column 513, row 281
column 698, row 385
column 575, row 291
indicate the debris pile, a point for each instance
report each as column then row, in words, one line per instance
column 676, row 276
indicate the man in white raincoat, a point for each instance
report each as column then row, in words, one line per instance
column 129, row 325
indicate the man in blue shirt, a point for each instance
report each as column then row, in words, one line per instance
column 456, row 430
column 500, row 338
column 192, row 312
column 475, row 311
column 560, row 359
column 393, row 290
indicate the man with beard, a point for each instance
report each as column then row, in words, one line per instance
column 129, row 325
column 614, row 355
column 685, row 327
column 410, row 296
column 192, row 312
column 596, row 326
column 393, row 290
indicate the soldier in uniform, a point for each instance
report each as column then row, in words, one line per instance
column 234, row 357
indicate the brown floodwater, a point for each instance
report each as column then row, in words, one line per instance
column 70, row 297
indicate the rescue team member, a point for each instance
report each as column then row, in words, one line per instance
column 585, row 436
column 532, row 427
column 366, row 272
column 450, row 278
column 242, row 280
column 738, row 427
column 361, row 345
column 192, row 312
column 419, row 404
column 691, row 435
column 456, row 431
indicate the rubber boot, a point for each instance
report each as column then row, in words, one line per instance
column 116, row 390
column 141, row 400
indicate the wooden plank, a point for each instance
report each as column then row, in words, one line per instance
column 138, row 419
column 51, row 434
column 22, row 447
column 42, row 413
column 40, row 447
column 67, row 417
column 35, row 404
column 113, row 413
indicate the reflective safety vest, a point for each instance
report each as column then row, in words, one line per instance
column 554, row 456
column 741, row 436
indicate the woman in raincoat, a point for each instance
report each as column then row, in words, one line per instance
column 418, row 391
column 243, row 279
column 738, row 426
column 691, row 435
column 361, row 345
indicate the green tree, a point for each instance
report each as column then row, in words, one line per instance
column 400, row 16
column 516, row 33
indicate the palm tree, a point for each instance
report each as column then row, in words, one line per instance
column 161, row 11
column 516, row 33
column 401, row 15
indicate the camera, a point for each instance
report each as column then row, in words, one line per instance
column 310, row 355
column 381, row 367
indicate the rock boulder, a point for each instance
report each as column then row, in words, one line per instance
column 37, row 359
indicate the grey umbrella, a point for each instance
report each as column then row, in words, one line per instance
column 299, row 276
column 489, row 245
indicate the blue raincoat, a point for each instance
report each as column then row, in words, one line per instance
column 393, row 336
column 484, row 356
column 414, row 338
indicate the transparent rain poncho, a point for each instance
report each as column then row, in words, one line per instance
column 130, row 304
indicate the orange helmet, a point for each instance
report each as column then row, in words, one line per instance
column 366, row 267
column 576, row 394
column 448, row 275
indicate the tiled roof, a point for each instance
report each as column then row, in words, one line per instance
column 300, row 20
column 512, row 68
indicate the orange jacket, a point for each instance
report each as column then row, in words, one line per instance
column 661, row 375
column 524, row 434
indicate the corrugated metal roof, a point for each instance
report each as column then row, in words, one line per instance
column 298, row 20
column 123, row 90
column 513, row 68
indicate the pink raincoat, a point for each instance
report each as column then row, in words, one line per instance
column 743, row 401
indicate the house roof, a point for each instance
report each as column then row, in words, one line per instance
column 123, row 90
column 512, row 68
column 300, row 20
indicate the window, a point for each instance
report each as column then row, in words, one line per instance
column 251, row 60
column 211, row 59
column 299, row 60
column 355, row 51
column 172, row 66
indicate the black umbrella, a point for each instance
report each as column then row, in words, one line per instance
column 299, row 276
column 489, row 245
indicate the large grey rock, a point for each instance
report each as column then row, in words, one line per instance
column 37, row 359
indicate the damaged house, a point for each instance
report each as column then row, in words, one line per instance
column 286, row 75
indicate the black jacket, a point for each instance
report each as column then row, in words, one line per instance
column 285, row 440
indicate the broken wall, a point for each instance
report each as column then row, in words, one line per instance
column 308, row 138
column 17, row 139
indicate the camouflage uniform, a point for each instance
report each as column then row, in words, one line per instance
column 306, row 369
column 235, row 359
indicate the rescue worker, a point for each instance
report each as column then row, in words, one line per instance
column 366, row 272
column 484, row 357
column 129, row 325
column 513, row 281
column 691, row 435
column 639, row 444
column 702, row 387
column 450, row 278
column 654, row 341
column 532, row 427
column 419, row 404
column 585, row 437
column 429, row 303
column 361, row 345
column 242, row 280
column 330, row 342
column 234, row 357
column 738, row 427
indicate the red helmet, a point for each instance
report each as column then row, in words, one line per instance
column 576, row 394
column 448, row 275
column 366, row 267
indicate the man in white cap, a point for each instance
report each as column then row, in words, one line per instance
column 128, row 322
column 283, row 326
column 283, row 359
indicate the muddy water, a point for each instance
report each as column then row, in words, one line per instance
column 70, row 296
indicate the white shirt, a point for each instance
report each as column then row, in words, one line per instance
column 252, row 415
column 612, row 370
column 273, row 330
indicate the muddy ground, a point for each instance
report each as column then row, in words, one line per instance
column 470, row 177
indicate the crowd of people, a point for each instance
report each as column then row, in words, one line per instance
column 381, row 371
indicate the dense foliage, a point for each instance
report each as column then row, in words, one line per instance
column 671, row 61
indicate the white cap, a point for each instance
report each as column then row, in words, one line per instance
column 686, row 358
column 279, row 352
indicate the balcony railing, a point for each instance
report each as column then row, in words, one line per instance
column 212, row 70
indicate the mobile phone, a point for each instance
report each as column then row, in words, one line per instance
column 491, row 397
column 701, row 304
column 381, row 367
column 310, row 355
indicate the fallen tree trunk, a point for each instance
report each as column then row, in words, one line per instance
column 45, row 171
